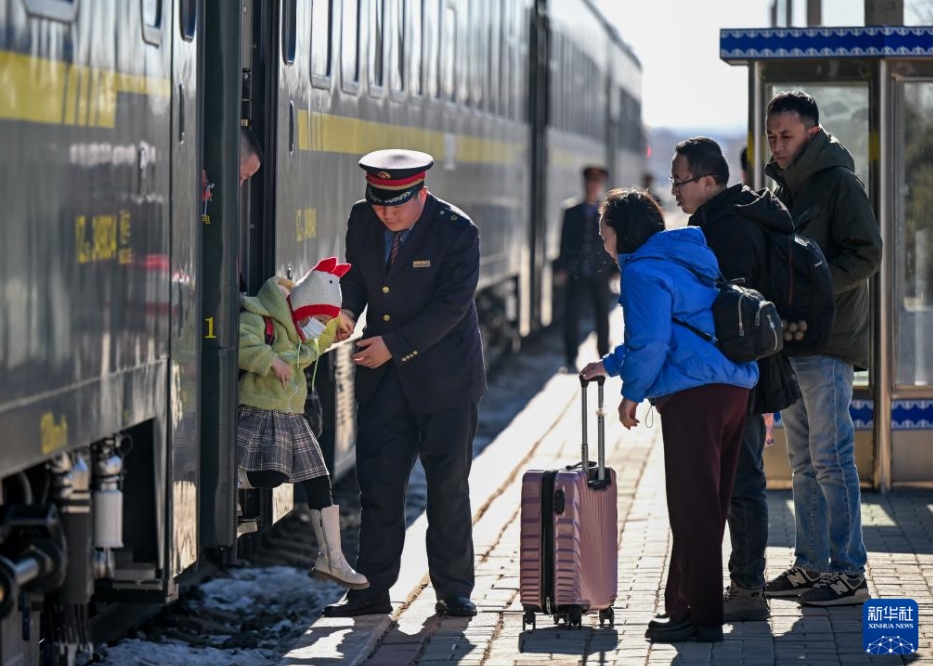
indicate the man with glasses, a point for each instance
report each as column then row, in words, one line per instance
column 735, row 221
column 816, row 179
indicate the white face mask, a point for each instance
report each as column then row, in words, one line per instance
column 313, row 329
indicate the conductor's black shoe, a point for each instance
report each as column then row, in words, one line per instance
column 370, row 604
column 456, row 606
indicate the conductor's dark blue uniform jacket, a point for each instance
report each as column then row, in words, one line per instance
column 423, row 306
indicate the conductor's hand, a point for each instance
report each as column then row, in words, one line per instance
column 372, row 352
column 346, row 326
column 283, row 371
column 594, row 369
column 627, row 413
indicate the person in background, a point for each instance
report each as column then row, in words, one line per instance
column 702, row 397
column 583, row 268
column 817, row 182
column 647, row 184
column 419, row 378
column 283, row 329
column 735, row 221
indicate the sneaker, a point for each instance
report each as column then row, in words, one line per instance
column 743, row 605
column 792, row 582
column 836, row 589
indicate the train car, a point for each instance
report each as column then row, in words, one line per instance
column 120, row 285
column 99, row 353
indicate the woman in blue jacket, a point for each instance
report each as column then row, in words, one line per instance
column 701, row 395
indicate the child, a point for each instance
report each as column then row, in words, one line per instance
column 283, row 329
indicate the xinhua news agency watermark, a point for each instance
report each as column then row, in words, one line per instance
column 890, row 626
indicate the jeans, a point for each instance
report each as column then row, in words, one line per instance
column 748, row 510
column 821, row 449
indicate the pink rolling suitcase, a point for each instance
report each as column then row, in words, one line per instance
column 569, row 532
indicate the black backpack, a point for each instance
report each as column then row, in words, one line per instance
column 747, row 324
column 801, row 286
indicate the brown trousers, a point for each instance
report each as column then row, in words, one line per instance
column 702, row 430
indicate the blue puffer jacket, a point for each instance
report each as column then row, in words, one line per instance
column 659, row 357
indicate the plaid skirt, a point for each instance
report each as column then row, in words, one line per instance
column 275, row 441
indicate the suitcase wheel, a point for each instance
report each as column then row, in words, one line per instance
column 528, row 619
column 575, row 619
column 607, row 615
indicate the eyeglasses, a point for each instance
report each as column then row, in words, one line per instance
column 677, row 184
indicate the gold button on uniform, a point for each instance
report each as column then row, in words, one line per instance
column 386, row 317
column 385, row 290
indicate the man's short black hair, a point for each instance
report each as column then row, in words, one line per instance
column 705, row 158
column 249, row 144
column 795, row 101
column 743, row 158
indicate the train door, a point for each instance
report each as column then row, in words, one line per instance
column 184, row 389
column 268, row 44
column 538, row 95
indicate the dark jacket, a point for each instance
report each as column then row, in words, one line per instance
column 581, row 249
column 829, row 205
column 734, row 223
column 422, row 307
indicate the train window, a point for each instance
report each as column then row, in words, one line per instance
column 59, row 10
column 289, row 30
column 432, row 48
column 476, row 54
column 152, row 21
column 508, row 62
column 449, row 54
column 321, row 24
column 377, row 43
column 188, row 18
column 492, row 73
column 350, row 45
column 397, row 35
column 415, row 45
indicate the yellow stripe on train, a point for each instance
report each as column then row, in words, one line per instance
column 41, row 90
column 326, row 133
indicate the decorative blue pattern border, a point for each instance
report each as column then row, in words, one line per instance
column 905, row 415
column 797, row 43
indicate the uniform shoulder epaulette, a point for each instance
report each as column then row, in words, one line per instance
column 362, row 203
column 453, row 215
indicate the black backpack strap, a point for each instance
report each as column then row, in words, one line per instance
column 706, row 336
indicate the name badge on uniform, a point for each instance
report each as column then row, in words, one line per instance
column 421, row 263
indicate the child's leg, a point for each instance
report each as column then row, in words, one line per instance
column 325, row 519
column 318, row 491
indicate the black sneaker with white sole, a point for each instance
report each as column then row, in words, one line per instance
column 836, row 589
column 792, row 582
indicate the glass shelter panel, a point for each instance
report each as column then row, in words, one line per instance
column 913, row 201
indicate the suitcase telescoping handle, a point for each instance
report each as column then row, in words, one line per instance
column 600, row 426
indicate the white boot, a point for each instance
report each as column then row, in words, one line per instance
column 330, row 563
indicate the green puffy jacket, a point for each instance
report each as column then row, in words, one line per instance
column 829, row 205
column 259, row 387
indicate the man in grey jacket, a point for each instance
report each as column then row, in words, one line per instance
column 816, row 181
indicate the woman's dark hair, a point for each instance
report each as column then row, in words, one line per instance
column 633, row 215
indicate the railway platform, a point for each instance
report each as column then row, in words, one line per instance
column 898, row 532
